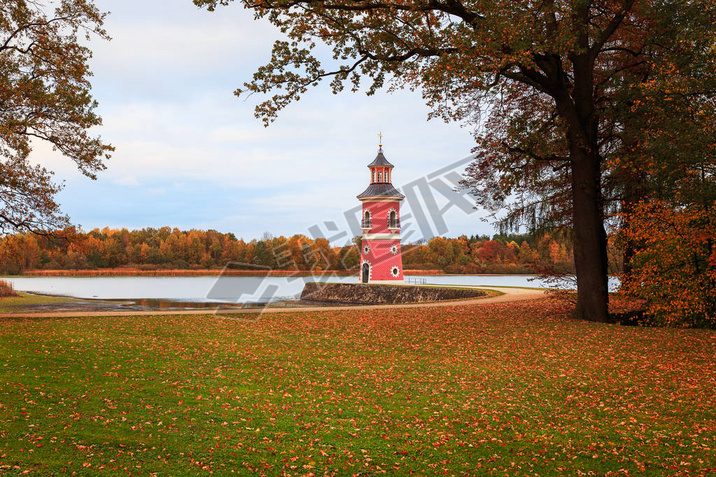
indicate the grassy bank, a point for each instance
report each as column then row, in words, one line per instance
column 513, row 389
column 15, row 303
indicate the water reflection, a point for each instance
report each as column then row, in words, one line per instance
column 166, row 304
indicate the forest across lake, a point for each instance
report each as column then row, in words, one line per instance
column 168, row 248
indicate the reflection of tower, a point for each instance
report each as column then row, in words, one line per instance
column 380, row 248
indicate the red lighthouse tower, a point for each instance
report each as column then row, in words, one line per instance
column 381, row 261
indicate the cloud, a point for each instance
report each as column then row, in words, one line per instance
column 130, row 181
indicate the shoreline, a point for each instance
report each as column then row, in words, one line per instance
column 495, row 295
column 57, row 303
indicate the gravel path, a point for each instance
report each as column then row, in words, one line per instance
column 508, row 294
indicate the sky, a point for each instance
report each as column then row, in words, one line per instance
column 190, row 154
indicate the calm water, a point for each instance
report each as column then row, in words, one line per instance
column 227, row 289
column 222, row 289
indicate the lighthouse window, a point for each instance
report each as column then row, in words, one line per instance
column 366, row 220
column 366, row 249
column 394, row 249
column 373, row 170
column 393, row 222
column 380, row 176
column 395, row 271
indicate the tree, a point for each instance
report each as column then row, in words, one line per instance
column 674, row 268
column 44, row 95
column 671, row 236
column 655, row 106
column 489, row 251
column 469, row 58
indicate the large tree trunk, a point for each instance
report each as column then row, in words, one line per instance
column 590, row 239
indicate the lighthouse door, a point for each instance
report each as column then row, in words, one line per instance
column 365, row 274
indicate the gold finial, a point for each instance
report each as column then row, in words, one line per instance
column 380, row 136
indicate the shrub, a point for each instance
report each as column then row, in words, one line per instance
column 6, row 289
column 674, row 265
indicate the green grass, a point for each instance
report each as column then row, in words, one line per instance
column 513, row 388
column 15, row 303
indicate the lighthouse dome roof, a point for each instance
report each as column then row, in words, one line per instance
column 380, row 160
column 381, row 190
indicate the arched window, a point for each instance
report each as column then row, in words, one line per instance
column 393, row 222
column 366, row 220
column 373, row 170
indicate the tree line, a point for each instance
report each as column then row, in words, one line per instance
column 171, row 248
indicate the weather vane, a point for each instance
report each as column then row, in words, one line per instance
column 380, row 141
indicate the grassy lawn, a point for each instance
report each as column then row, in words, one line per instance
column 513, row 388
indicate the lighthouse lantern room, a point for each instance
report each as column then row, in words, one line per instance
column 381, row 261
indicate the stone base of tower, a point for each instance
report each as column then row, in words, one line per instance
column 360, row 294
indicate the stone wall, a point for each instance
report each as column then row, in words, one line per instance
column 363, row 294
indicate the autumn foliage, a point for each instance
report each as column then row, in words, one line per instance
column 45, row 96
column 674, row 267
column 167, row 251
column 6, row 289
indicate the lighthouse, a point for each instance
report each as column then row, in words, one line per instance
column 381, row 261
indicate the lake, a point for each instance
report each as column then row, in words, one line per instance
column 223, row 289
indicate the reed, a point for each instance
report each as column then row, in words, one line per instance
column 6, row 289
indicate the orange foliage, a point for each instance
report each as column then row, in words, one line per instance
column 675, row 264
column 172, row 252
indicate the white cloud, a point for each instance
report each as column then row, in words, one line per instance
column 130, row 181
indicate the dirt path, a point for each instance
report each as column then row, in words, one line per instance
column 508, row 294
